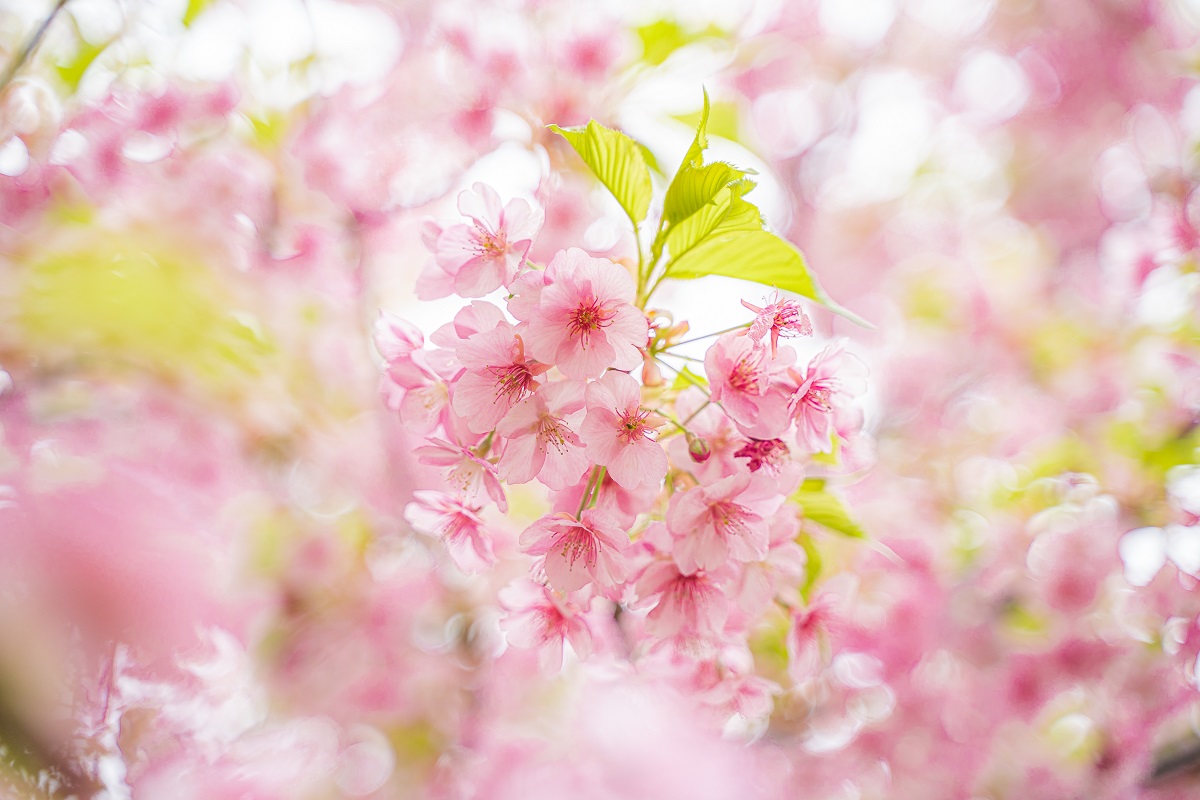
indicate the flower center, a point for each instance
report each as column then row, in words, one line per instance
column 744, row 375
column 551, row 432
column 588, row 318
column 434, row 396
column 488, row 244
column 633, row 426
column 579, row 543
column 820, row 394
column 457, row 524
column 513, row 382
column 730, row 519
column 771, row 453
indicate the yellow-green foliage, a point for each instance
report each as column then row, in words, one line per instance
column 115, row 304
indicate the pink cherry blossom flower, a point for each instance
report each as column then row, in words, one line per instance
column 577, row 552
column 527, row 289
column 498, row 377
column 395, row 337
column 727, row 682
column 781, row 318
column 618, row 432
column 774, row 458
column 415, row 380
column 540, row 618
column 805, row 659
column 724, row 520
column 740, row 372
column 539, row 441
column 475, row 318
column 466, row 472
column 486, row 255
column 760, row 453
column 833, row 378
column 687, row 607
column 585, row 321
column 710, row 423
column 781, row 569
column 622, row 504
column 457, row 523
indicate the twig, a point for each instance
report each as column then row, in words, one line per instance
column 22, row 57
column 710, row 335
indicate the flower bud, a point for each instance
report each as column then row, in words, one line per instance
column 698, row 449
column 651, row 374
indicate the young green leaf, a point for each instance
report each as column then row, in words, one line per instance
column 699, row 196
column 685, row 378
column 663, row 37
column 812, row 565
column 727, row 213
column 826, row 509
column 709, row 228
column 617, row 161
column 757, row 256
column 193, row 10
column 72, row 71
column 695, row 183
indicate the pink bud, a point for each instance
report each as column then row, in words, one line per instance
column 698, row 449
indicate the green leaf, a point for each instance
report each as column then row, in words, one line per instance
column 826, row 509
column 727, row 213
column 812, row 565
column 723, row 120
column 648, row 157
column 757, row 256
column 663, row 37
column 617, row 161
column 685, row 378
column 695, row 183
column 700, row 196
column 85, row 55
column 709, row 228
column 194, row 9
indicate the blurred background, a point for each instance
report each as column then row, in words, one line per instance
column 207, row 587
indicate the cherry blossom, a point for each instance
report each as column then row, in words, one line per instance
column 782, row 317
column 483, row 256
column 722, row 521
column 542, row 619
column 540, row 439
column 466, row 471
column 618, row 433
column 830, row 381
column 689, row 608
column 579, row 552
column 457, row 524
column 498, row 376
column 230, row 567
column 741, row 374
column 584, row 322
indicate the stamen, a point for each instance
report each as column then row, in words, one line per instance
column 588, row 318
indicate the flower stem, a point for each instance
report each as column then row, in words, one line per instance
column 591, row 491
column 485, row 445
column 680, row 356
column 697, row 411
column 710, row 335
column 685, row 376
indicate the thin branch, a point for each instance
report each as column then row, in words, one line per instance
column 681, row 356
column 27, row 51
column 710, row 335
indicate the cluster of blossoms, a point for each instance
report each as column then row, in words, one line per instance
column 251, row 578
column 668, row 512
